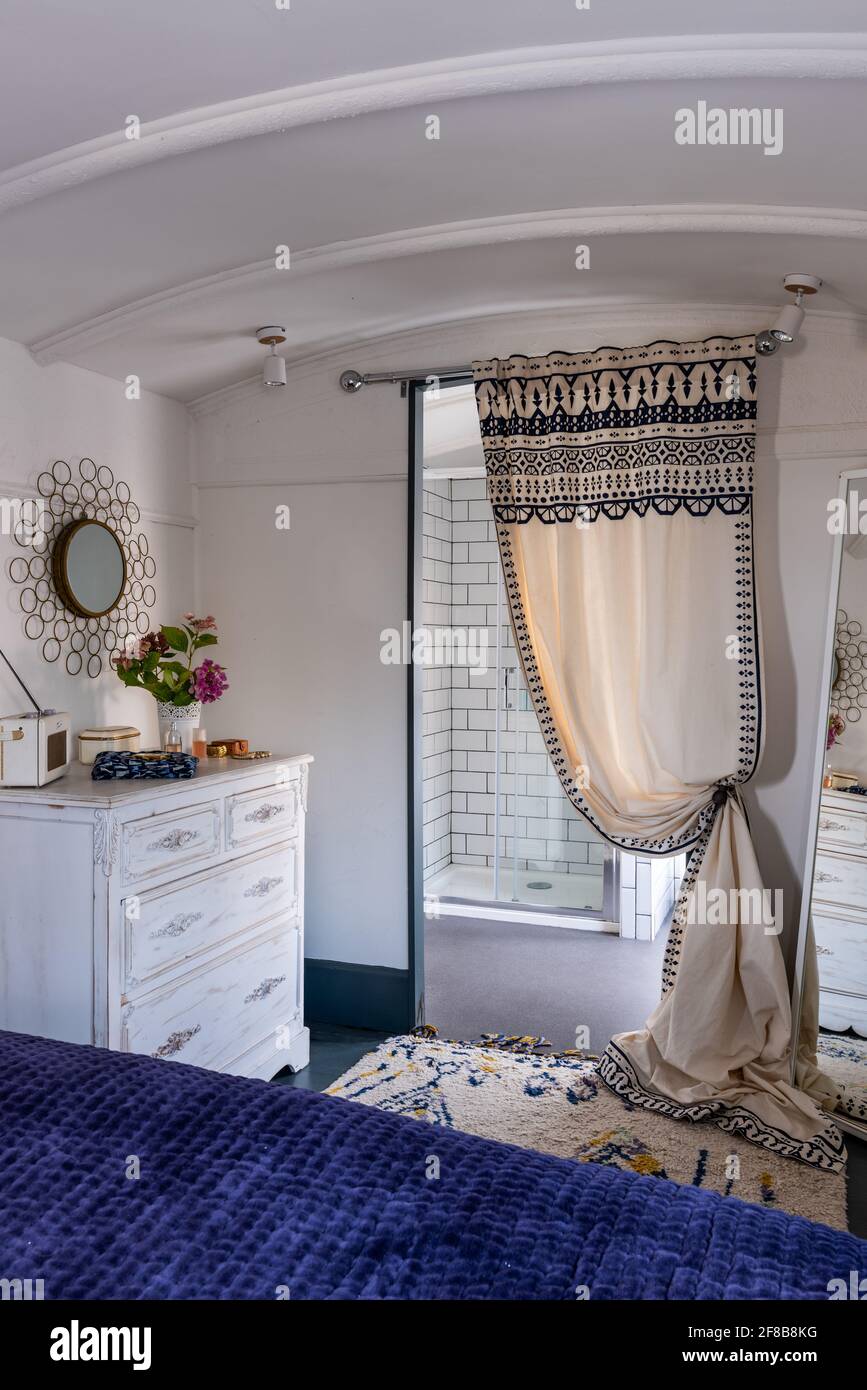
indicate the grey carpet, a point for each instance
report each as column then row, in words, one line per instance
column 508, row 977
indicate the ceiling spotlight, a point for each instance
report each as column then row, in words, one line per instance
column 790, row 318
column 789, row 321
column 274, row 373
column 788, row 324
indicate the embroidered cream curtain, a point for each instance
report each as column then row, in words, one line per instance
column 621, row 482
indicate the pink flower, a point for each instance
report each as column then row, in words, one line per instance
column 209, row 682
column 153, row 642
column 208, row 624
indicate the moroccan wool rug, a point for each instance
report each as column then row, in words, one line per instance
column 558, row 1105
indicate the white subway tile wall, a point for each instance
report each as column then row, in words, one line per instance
column 460, row 575
column 436, row 700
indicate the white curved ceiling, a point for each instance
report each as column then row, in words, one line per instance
column 306, row 127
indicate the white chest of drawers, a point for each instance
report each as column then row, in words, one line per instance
column 839, row 911
column 160, row 917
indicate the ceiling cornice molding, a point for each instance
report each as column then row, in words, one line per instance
column 841, row 223
column 705, row 57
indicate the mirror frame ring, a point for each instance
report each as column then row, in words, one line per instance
column 59, row 570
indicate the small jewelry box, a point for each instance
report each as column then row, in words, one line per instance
column 234, row 746
column 116, row 738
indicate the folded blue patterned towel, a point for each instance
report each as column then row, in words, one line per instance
column 127, row 765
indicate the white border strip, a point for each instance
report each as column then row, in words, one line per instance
column 690, row 57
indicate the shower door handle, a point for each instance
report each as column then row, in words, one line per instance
column 508, row 672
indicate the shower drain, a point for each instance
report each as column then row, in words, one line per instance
column 539, row 884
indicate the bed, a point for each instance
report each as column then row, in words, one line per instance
column 128, row 1177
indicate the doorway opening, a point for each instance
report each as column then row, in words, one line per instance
column 517, row 899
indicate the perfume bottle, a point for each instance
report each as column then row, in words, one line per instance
column 173, row 739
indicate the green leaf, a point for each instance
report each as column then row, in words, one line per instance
column 176, row 638
column 205, row 639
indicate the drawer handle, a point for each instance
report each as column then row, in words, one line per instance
column 264, row 989
column 173, row 1044
column 824, row 877
column 176, row 839
column 832, row 825
column 178, row 925
column 263, row 887
column 263, row 814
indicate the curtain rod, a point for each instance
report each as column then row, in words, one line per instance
column 767, row 342
column 353, row 381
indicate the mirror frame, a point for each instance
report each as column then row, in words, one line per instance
column 60, row 573
column 844, row 1122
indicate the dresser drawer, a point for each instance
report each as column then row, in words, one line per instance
column 252, row 816
column 841, row 880
column 166, row 926
column 211, row 1016
column 846, row 829
column 163, row 843
column 841, row 946
column 839, row 1012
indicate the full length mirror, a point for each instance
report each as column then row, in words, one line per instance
column 835, row 899
column 89, row 568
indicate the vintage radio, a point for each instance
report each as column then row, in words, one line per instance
column 34, row 747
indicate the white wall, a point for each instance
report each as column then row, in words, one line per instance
column 303, row 613
column 62, row 412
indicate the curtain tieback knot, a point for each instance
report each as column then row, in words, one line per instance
column 722, row 792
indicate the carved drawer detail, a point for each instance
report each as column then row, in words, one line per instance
column 178, row 925
column 262, row 888
column 840, row 880
column 264, row 989
column 168, row 926
column 164, row 843
column 177, row 1042
column 252, row 816
column 842, row 946
column 256, row 987
column 839, row 829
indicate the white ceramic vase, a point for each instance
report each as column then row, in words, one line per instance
column 186, row 717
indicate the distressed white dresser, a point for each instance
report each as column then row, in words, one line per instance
column 160, row 917
column 839, row 911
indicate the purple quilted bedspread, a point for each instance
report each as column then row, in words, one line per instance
column 254, row 1191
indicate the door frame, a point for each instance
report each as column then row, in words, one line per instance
column 609, row 916
column 414, row 715
column 416, row 389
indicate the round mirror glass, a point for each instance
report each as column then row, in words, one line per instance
column 90, row 568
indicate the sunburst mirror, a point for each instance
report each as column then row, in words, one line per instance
column 85, row 584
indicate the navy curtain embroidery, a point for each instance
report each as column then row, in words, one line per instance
column 692, row 405
column 665, row 426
